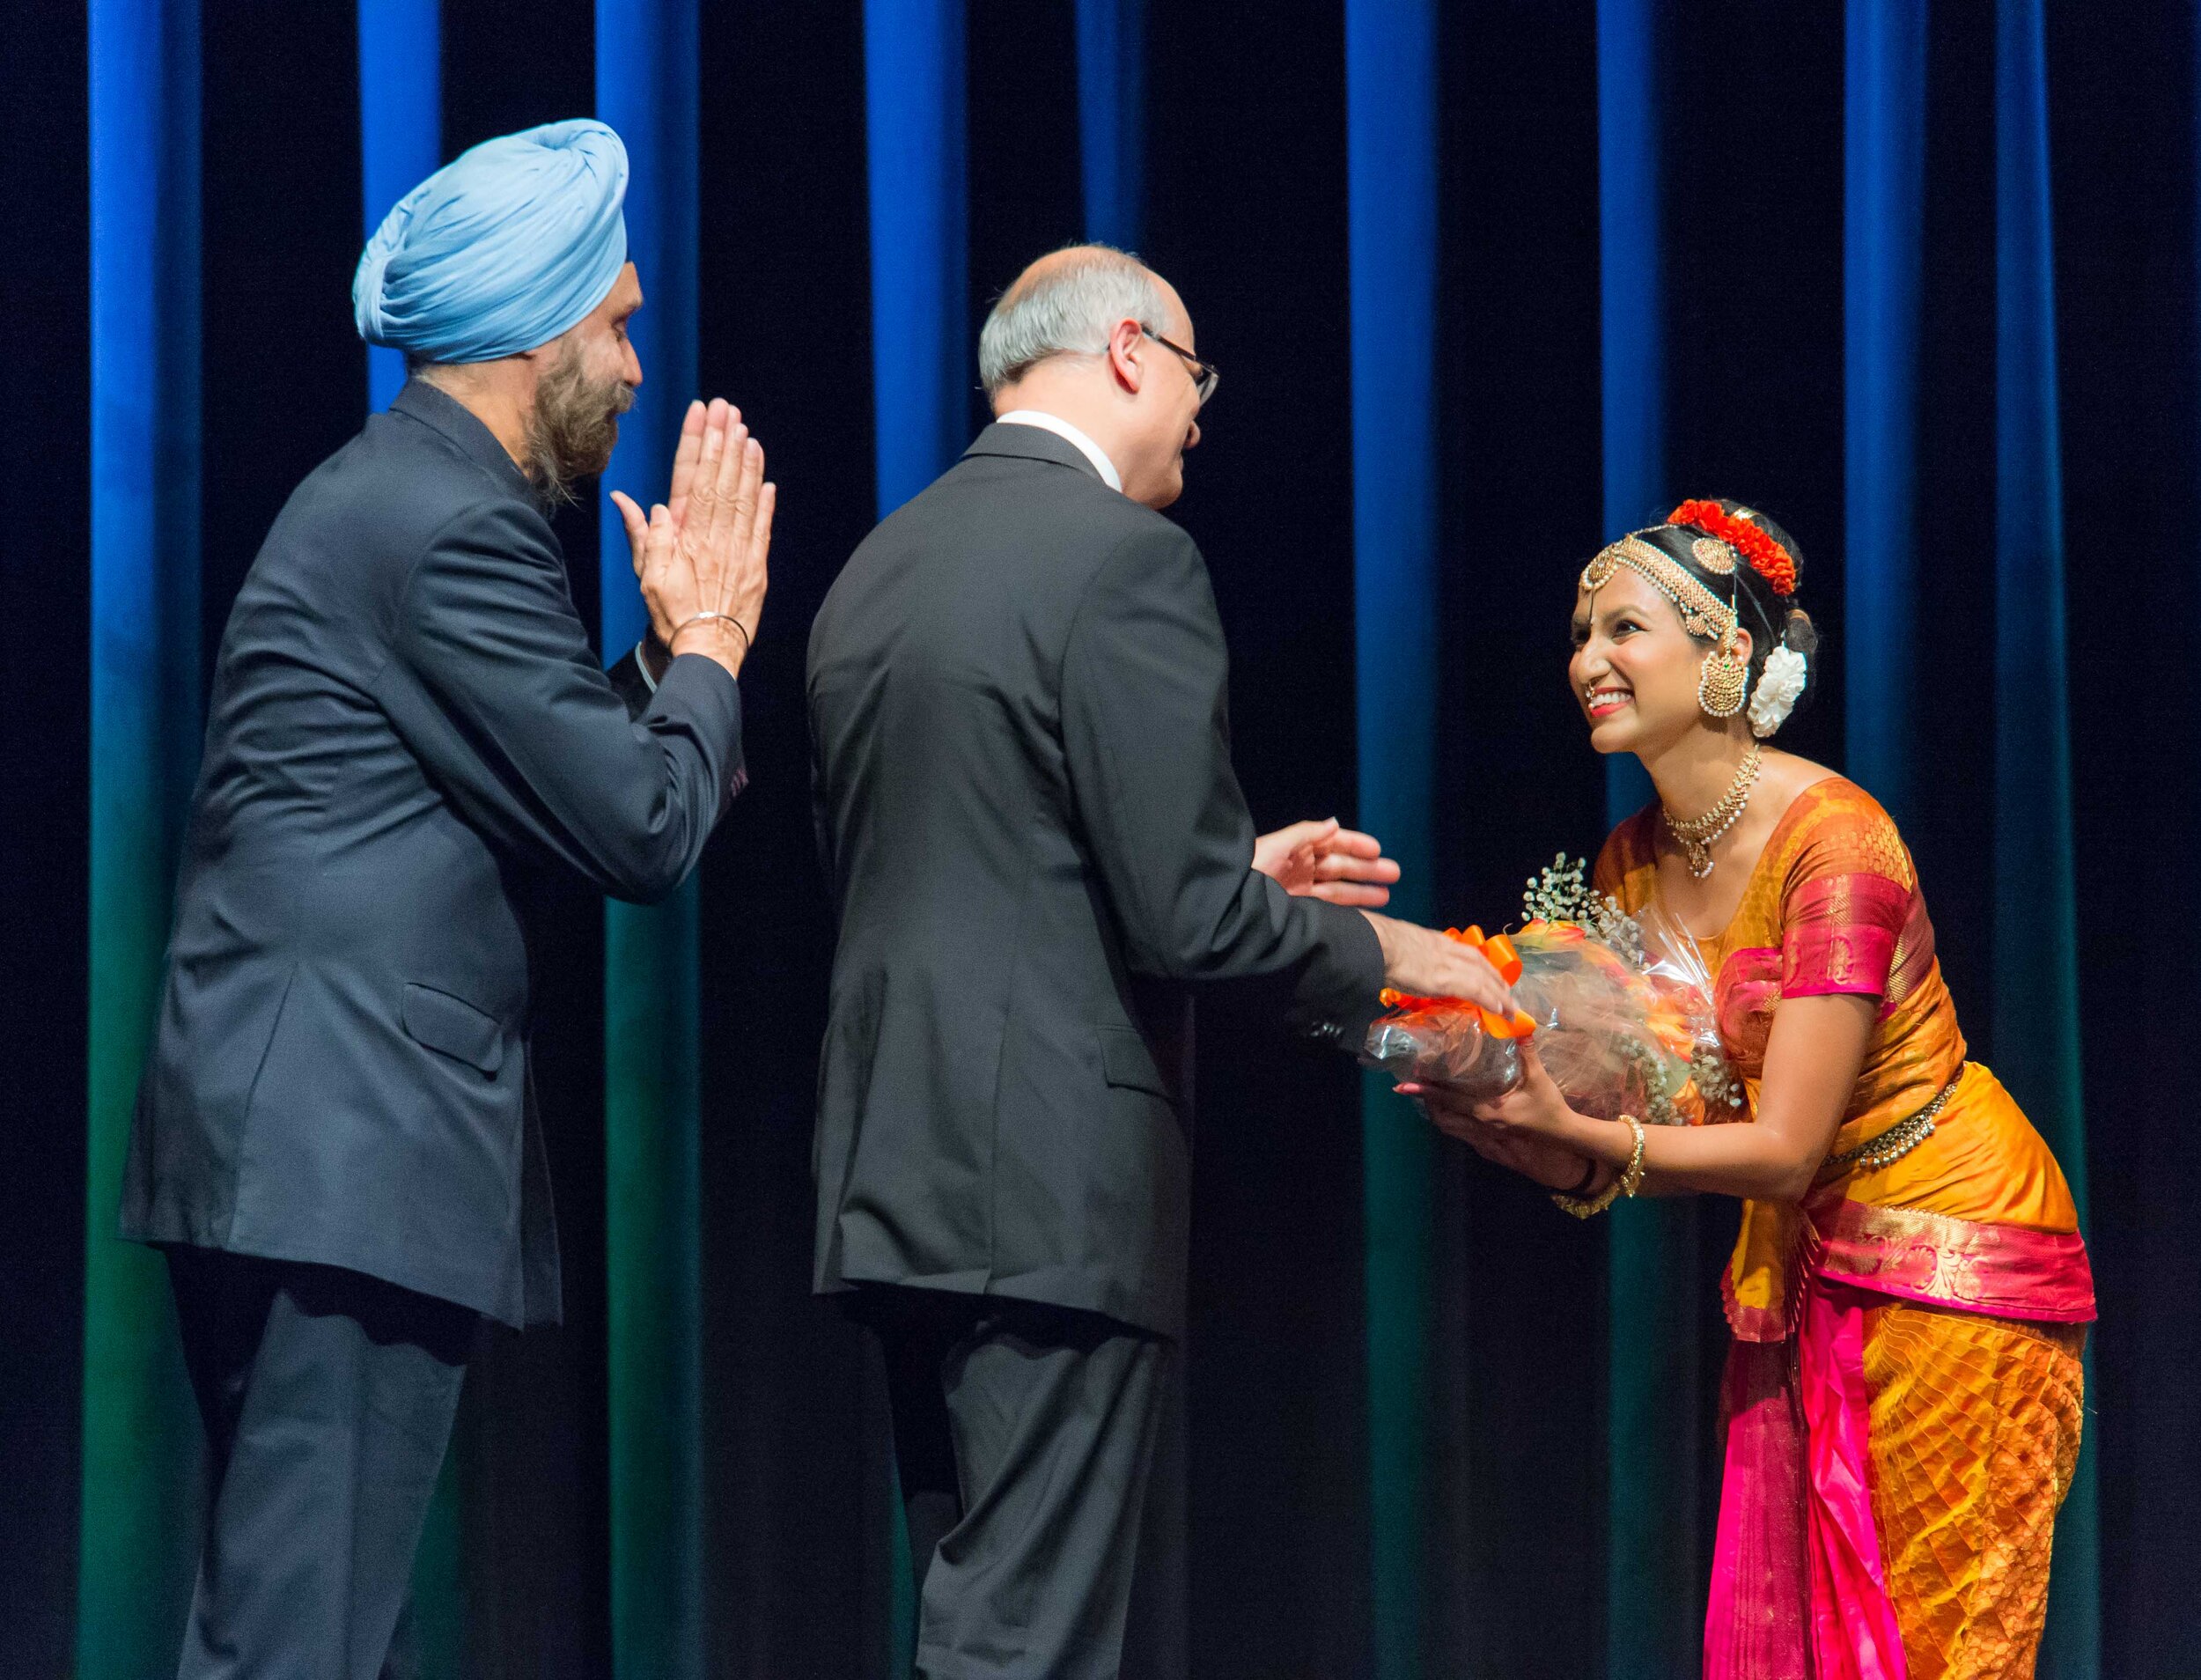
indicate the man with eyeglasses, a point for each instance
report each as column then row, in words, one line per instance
column 1035, row 843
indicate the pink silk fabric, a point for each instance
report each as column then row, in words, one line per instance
column 1798, row 1587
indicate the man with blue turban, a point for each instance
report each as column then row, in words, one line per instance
column 337, row 1141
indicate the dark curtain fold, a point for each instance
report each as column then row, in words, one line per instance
column 45, row 751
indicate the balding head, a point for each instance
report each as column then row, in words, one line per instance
column 1066, row 303
column 1079, row 335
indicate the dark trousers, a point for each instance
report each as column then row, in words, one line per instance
column 327, row 1399
column 1023, row 1436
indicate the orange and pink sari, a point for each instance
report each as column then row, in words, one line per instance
column 1903, row 1396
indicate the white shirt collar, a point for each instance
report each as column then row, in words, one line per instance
column 1062, row 428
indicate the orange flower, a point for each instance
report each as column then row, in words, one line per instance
column 1756, row 544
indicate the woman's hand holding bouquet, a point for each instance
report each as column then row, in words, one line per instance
column 1615, row 1017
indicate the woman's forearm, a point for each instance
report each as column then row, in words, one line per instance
column 1811, row 1065
column 1743, row 1161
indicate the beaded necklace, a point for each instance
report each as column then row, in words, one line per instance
column 1698, row 836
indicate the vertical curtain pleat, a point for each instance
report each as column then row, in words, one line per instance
column 2036, row 912
column 1112, row 118
column 916, row 158
column 400, row 131
column 646, row 88
column 1652, row 1595
column 1884, row 158
column 137, row 1539
column 921, row 374
column 1391, row 203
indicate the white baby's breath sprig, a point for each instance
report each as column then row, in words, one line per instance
column 1561, row 893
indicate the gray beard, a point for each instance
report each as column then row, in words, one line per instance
column 574, row 425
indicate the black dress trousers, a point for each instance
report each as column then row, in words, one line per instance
column 328, row 1398
column 1023, row 1436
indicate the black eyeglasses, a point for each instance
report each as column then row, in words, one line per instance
column 1205, row 375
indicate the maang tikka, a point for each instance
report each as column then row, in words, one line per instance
column 1723, row 682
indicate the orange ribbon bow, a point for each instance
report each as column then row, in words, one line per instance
column 1499, row 953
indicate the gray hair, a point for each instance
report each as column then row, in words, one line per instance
column 1069, row 308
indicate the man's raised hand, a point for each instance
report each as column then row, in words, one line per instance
column 1324, row 860
column 703, row 568
column 685, row 455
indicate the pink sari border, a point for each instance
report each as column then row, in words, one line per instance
column 1842, row 932
column 1798, row 1586
column 2003, row 1271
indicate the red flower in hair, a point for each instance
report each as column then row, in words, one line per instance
column 1767, row 558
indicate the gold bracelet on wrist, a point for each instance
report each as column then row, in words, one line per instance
column 1625, row 1182
column 1631, row 1181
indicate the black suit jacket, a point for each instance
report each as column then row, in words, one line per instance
column 406, row 717
column 1034, row 842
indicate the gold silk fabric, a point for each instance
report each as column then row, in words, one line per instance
column 1834, row 906
column 1974, row 1435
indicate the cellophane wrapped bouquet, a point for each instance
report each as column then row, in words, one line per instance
column 1619, row 1007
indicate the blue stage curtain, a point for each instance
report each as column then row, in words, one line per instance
column 916, row 153
column 646, row 88
column 1391, row 198
column 1653, row 1591
column 400, row 131
column 2036, row 913
column 138, row 1537
column 1112, row 118
column 921, row 365
column 1884, row 158
column 1111, row 149
column 1631, row 300
column 401, row 128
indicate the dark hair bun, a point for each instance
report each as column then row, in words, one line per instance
column 1774, row 619
column 1799, row 633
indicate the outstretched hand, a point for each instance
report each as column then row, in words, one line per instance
column 1327, row 861
column 1524, row 1149
column 1536, row 1107
column 1425, row 963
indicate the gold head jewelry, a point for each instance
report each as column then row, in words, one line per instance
column 1723, row 682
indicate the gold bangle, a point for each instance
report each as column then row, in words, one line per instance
column 1631, row 1181
column 1625, row 1183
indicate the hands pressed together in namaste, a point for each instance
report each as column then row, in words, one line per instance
column 700, row 555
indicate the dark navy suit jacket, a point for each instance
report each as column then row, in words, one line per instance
column 405, row 718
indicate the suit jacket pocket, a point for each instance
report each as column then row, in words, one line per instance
column 1125, row 1060
column 453, row 1027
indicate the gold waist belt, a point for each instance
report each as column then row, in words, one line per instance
column 1883, row 1148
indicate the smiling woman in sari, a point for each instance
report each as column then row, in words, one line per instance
column 1910, row 1292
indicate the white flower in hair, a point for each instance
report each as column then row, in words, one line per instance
column 1779, row 688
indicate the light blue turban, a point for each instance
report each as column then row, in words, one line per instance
column 500, row 250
